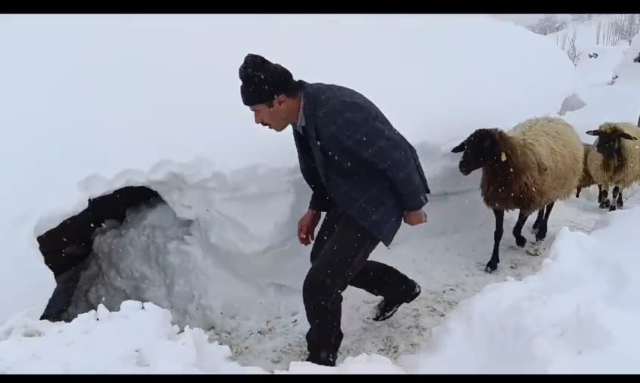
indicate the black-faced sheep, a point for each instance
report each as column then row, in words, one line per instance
column 616, row 160
column 528, row 168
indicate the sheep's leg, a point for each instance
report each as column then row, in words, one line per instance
column 599, row 193
column 616, row 197
column 542, row 230
column 619, row 202
column 536, row 224
column 578, row 192
column 604, row 198
column 517, row 229
column 492, row 265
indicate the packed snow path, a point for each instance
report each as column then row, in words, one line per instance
column 454, row 248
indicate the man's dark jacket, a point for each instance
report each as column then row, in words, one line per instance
column 354, row 160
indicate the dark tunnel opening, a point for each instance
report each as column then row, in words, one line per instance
column 67, row 246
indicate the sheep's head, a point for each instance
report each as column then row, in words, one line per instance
column 478, row 150
column 609, row 139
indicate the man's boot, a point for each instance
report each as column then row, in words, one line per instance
column 387, row 307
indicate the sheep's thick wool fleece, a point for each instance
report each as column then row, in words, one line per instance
column 552, row 156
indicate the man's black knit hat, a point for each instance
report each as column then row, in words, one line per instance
column 262, row 80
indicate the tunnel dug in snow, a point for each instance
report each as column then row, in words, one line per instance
column 67, row 247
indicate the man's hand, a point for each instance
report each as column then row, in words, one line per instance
column 414, row 218
column 307, row 226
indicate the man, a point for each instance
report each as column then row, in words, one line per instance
column 364, row 175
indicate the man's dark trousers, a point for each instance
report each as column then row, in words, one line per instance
column 339, row 258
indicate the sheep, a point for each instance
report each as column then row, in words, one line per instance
column 615, row 161
column 587, row 180
column 529, row 168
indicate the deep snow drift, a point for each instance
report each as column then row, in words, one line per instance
column 236, row 269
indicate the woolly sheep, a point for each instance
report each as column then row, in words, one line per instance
column 615, row 161
column 586, row 179
column 528, row 168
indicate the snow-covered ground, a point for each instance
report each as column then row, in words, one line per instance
column 596, row 46
column 96, row 103
column 618, row 102
column 627, row 70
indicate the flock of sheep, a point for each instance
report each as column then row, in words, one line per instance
column 543, row 160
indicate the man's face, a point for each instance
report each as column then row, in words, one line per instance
column 272, row 116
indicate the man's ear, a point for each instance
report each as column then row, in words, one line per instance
column 460, row 148
column 280, row 99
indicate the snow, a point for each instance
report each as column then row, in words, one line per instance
column 520, row 19
column 577, row 315
column 617, row 102
column 591, row 37
column 599, row 70
column 620, row 102
column 146, row 343
column 628, row 68
column 101, row 102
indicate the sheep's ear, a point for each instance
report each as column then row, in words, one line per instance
column 627, row 136
column 460, row 148
column 593, row 132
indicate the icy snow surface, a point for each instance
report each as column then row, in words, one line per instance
column 90, row 96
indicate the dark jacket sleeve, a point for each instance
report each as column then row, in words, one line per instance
column 359, row 131
column 320, row 199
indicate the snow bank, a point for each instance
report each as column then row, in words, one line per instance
column 595, row 69
column 628, row 69
column 599, row 70
column 86, row 98
column 136, row 339
column 620, row 102
column 617, row 102
column 579, row 314
column 213, row 272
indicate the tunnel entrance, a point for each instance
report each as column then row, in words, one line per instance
column 67, row 247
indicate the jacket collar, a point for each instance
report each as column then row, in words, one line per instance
column 305, row 107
